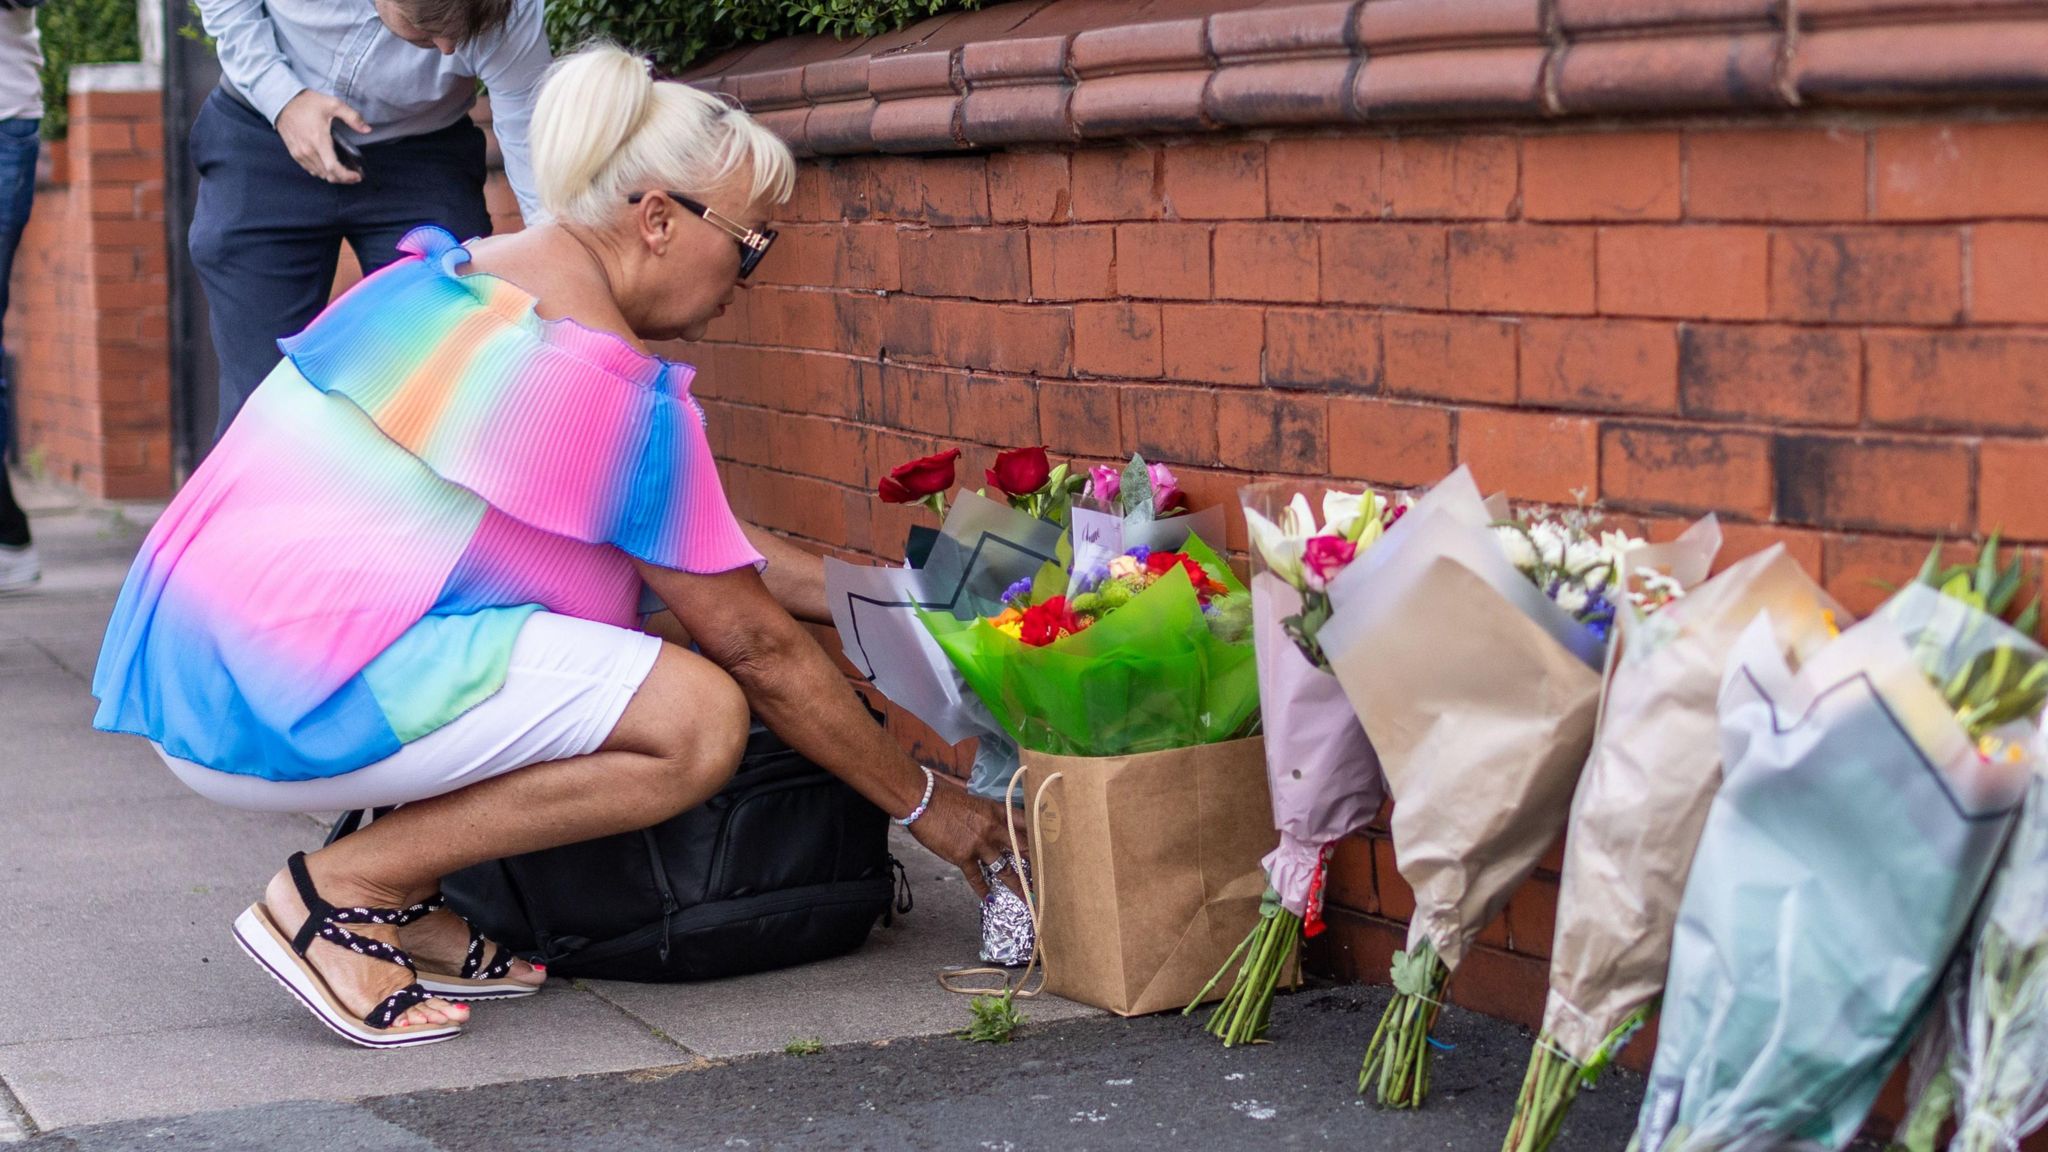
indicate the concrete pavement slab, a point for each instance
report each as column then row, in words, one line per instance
column 284, row 1054
column 142, row 847
column 149, row 961
column 886, row 990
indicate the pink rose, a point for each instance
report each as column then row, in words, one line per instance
column 1325, row 556
column 1104, row 482
column 1166, row 493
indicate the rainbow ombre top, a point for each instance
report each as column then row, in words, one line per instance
column 429, row 465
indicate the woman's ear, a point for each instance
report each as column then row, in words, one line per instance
column 657, row 223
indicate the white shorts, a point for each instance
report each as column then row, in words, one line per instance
column 568, row 683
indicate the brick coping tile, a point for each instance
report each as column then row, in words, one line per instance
column 1033, row 72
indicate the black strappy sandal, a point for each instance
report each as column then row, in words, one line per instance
column 284, row 957
column 477, row 980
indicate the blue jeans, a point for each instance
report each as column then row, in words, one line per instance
column 18, row 147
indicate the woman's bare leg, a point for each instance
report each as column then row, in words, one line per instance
column 676, row 745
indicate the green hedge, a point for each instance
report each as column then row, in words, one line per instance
column 80, row 32
column 677, row 33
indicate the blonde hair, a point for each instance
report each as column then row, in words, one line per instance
column 604, row 128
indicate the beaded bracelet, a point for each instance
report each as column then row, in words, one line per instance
column 929, row 783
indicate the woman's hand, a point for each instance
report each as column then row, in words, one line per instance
column 800, row 694
column 965, row 830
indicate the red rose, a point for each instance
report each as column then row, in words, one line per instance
column 1160, row 563
column 1020, row 471
column 929, row 476
column 1046, row 622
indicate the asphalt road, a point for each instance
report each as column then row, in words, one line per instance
column 1156, row 1083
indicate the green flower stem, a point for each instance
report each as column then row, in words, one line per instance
column 1242, row 1015
column 1922, row 1130
column 1397, row 1060
column 1548, row 1089
column 1553, row 1082
column 2009, row 986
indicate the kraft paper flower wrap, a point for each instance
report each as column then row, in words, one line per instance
column 1124, row 675
column 1636, row 818
column 1478, row 689
column 1836, row 875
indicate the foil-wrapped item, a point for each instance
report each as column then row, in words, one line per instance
column 1006, row 935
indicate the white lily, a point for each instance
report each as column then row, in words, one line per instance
column 1346, row 513
column 1282, row 544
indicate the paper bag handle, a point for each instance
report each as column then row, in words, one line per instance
column 1032, row 905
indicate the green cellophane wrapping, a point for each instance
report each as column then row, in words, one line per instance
column 1145, row 678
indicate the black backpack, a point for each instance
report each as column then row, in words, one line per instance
column 785, row 866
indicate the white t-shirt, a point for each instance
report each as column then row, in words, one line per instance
column 21, row 63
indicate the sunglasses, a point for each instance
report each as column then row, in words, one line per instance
column 753, row 242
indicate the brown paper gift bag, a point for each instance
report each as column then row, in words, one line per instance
column 1148, row 869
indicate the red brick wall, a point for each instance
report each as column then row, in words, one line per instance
column 89, row 318
column 1829, row 333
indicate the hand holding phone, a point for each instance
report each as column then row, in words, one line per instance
column 345, row 150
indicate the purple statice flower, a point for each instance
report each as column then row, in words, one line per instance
column 1598, row 616
column 1141, row 553
column 1091, row 577
column 1018, row 593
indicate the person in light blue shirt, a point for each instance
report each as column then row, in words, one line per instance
column 345, row 121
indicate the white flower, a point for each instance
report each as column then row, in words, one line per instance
column 1619, row 544
column 1571, row 597
column 1516, row 544
column 1654, row 589
column 1299, row 519
column 1582, row 555
column 1348, row 514
column 1282, row 544
column 1551, row 540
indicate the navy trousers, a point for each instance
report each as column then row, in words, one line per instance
column 266, row 235
column 18, row 146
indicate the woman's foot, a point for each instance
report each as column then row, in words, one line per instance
column 440, row 942
column 360, row 982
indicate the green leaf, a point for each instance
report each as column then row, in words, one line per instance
column 1930, row 571
column 994, row 1019
column 1134, row 491
column 1415, row 972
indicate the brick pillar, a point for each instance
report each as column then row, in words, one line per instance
column 90, row 325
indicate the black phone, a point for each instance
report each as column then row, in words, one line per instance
column 345, row 150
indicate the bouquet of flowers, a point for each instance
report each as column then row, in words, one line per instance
column 1321, row 769
column 1470, row 647
column 1636, row 818
column 989, row 540
column 1126, row 650
column 1986, row 1059
column 2001, row 1065
column 1866, row 799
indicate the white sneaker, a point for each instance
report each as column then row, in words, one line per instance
column 19, row 567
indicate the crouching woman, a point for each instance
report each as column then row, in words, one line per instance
column 410, row 572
